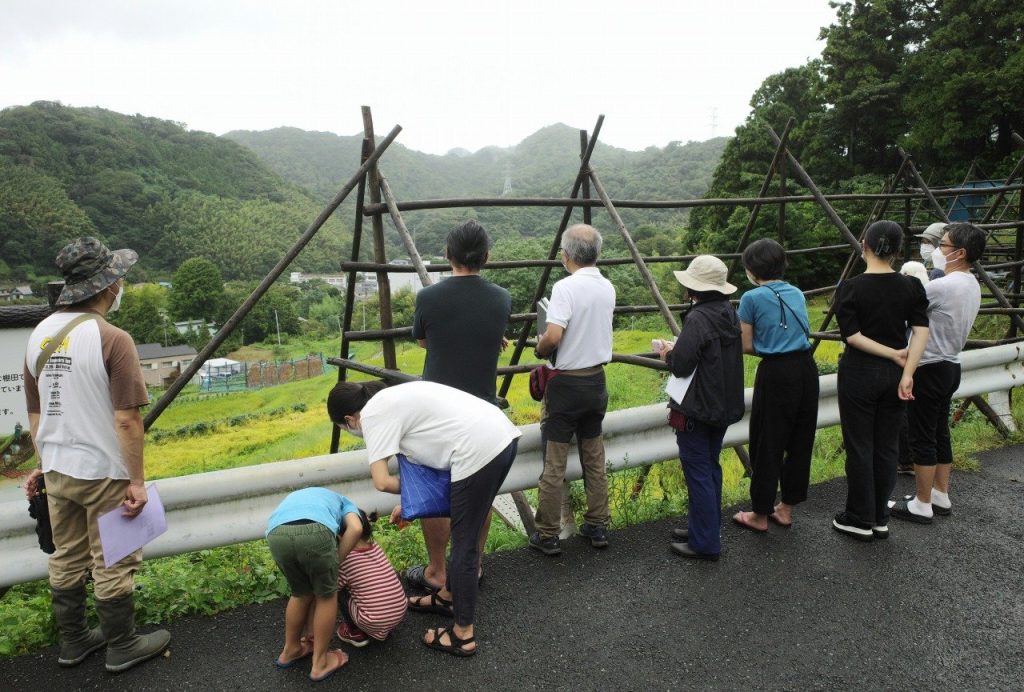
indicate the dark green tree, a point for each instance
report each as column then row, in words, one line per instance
column 143, row 314
column 197, row 290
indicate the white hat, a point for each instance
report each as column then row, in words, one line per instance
column 933, row 234
column 706, row 273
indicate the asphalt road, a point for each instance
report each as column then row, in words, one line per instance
column 934, row 607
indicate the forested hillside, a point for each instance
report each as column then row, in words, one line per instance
column 542, row 165
column 147, row 184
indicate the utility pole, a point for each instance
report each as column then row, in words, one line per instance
column 278, row 325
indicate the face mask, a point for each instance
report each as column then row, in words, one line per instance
column 938, row 259
column 752, row 280
column 116, row 305
column 354, row 431
column 926, row 251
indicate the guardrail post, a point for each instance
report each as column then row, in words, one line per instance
column 1001, row 404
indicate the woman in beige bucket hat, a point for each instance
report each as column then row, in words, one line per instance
column 709, row 350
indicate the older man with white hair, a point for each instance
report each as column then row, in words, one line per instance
column 579, row 327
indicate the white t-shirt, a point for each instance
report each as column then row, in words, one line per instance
column 953, row 304
column 93, row 372
column 436, row 426
column 583, row 304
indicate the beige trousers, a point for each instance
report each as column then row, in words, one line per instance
column 74, row 506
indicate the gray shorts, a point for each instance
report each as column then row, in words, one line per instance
column 307, row 554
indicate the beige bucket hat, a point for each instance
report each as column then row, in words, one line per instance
column 706, row 273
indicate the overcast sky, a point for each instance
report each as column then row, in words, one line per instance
column 452, row 73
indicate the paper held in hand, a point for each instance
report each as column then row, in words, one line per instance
column 542, row 316
column 676, row 387
column 121, row 536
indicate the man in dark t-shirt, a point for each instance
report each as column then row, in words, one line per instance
column 461, row 322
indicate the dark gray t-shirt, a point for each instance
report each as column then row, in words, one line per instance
column 463, row 319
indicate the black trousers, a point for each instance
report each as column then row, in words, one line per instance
column 574, row 405
column 928, row 413
column 783, row 419
column 471, row 503
column 870, row 411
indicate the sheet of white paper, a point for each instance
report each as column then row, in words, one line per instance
column 542, row 316
column 121, row 536
column 676, row 387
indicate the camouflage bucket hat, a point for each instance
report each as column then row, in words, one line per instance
column 89, row 267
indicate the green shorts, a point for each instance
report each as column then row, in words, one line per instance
column 307, row 554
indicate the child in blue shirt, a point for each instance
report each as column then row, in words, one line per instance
column 784, row 410
column 309, row 535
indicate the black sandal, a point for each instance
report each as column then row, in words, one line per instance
column 455, row 647
column 438, row 605
column 416, row 577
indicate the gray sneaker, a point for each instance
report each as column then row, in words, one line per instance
column 548, row 546
column 597, row 534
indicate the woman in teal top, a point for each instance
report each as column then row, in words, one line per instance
column 784, row 411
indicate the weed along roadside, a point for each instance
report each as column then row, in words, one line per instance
column 288, row 421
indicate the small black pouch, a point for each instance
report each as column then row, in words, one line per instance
column 39, row 510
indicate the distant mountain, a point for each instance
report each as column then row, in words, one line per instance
column 542, row 165
column 147, row 184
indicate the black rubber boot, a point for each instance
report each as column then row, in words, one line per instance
column 125, row 648
column 77, row 641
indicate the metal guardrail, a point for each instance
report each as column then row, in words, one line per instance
column 225, row 507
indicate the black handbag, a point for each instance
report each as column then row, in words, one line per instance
column 39, row 510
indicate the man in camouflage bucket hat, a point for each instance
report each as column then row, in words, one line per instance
column 83, row 407
column 89, row 267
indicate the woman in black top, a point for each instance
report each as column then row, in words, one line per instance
column 876, row 372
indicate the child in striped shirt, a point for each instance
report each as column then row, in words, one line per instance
column 373, row 600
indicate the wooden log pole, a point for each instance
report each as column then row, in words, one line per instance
column 645, row 273
column 350, row 286
column 574, row 202
column 779, row 155
column 403, row 232
column 818, row 196
column 379, row 249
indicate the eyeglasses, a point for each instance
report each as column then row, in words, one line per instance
column 955, row 247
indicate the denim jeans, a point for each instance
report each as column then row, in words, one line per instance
column 870, row 413
column 699, row 448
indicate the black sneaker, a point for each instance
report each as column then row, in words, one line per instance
column 844, row 524
column 597, row 535
column 905, row 469
column 548, row 546
column 880, row 532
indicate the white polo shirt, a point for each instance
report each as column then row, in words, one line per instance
column 583, row 305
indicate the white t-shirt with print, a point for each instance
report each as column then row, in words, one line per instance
column 93, row 372
column 435, row 425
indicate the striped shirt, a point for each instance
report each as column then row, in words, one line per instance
column 377, row 601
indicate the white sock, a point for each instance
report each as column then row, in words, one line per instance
column 920, row 508
column 941, row 499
